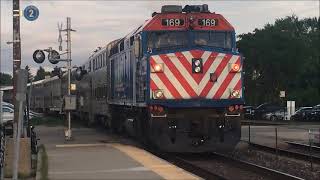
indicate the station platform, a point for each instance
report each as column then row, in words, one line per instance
column 97, row 155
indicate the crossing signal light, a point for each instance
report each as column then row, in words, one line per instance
column 39, row 56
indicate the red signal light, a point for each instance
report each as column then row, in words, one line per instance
column 160, row 109
column 231, row 108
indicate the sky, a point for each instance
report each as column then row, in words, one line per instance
column 99, row 22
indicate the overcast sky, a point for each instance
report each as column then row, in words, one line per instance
column 99, row 22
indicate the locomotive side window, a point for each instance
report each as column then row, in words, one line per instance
column 213, row 39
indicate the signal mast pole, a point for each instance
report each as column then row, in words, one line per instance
column 68, row 30
column 69, row 69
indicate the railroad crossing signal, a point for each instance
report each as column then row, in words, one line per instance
column 39, row 56
column 31, row 13
column 53, row 56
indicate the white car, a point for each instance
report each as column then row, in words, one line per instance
column 7, row 115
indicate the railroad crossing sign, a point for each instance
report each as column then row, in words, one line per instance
column 31, row 13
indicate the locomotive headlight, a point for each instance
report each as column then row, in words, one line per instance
column 197, row 65
column 197, row 62
column 157, row 68
column 158, row 94
column 197, row 69
column 234, row 67
column 235, row 94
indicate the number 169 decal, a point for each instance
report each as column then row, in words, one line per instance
column 172, row 22
column 208, row 22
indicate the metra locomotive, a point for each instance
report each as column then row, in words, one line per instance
column 175, row 81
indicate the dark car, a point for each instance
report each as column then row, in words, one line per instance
column 301, row 114
column 314, row 114
column 265, row 108
column 248, row 112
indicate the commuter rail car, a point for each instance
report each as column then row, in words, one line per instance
column 175, row 81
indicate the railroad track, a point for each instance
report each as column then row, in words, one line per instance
column 304, row 146
column 307, row 156
column 207, row 166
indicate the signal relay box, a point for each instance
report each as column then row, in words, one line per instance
column 70, row 103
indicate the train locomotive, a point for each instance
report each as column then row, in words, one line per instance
column 175, row 82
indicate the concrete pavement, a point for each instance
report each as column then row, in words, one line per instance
column 96, row 155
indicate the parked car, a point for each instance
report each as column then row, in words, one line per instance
column 31, row 113
column 248, row 112
column 301, row 114
column 314, row 114
column 275, row 115
column 5, row 104
column 7, row 115
column 262, row 109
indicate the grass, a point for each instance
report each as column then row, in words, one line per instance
column 44, row 163
column 48, row 120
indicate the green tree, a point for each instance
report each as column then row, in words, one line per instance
column 30, row 77
column 5, row 79
column 282, row 56
column 41, row 73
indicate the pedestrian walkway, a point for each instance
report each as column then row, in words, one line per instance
column 95, row 155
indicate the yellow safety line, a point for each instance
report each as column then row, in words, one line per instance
column 79, row 145
column 157, row 165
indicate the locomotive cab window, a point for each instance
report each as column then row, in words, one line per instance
column 213, row 39
column 167, row 39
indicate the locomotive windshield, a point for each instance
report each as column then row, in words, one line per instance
column 213, row 39
column 177, row 39
column 167, row 39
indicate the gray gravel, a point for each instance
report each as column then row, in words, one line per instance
column 291, row 166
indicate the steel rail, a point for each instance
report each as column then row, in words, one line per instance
column 287, row 153
column 306, row 146
column 247, row 166
column 176, row 159
column 199, row 171
column 274, row 174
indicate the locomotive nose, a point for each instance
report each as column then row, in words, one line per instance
column 196, row 74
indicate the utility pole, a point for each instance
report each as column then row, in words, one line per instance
column 16, row 66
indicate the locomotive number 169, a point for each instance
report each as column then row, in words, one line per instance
column 172, row 22
column 208, row 22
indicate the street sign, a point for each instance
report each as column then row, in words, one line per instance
column 31, row 13
column 282, row 94
column 39, row 56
